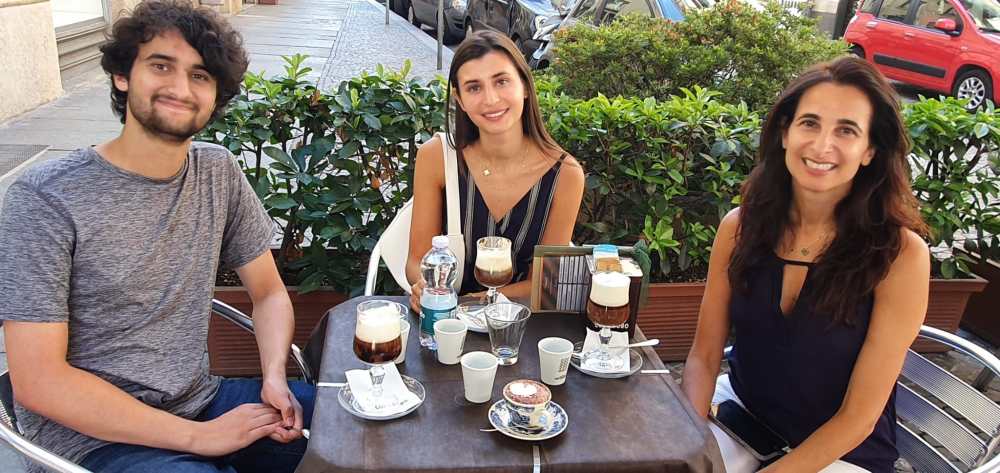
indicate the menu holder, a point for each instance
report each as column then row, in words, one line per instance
column 561, row 275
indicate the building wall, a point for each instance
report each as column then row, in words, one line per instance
column 31, row 62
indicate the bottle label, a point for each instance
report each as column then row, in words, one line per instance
column 429, row 316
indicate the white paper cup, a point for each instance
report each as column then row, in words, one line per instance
column 404, row 333
column 479, row 369
column 450, row 337
column 553, row 355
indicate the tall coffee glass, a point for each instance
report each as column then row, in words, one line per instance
column 607, row 308
column 494, row 268
column 377, row 341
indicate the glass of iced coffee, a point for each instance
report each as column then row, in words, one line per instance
column 377, row 341
column 494, row 268
column 607, row 308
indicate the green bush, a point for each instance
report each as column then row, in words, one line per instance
column 340, row 162
column 954, row 180
column 661, row 171
column 731, row 48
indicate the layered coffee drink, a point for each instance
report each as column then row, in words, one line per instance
column 494, row 267
column 608, row 303
column 377, row 337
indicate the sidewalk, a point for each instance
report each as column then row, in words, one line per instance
column 341, row 38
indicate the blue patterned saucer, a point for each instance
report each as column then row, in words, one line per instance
column 500, row 418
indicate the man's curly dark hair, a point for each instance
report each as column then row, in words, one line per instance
column 220, row 47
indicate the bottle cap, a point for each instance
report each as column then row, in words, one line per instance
column 440, row 241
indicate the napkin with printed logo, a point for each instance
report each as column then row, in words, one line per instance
column 395, row 395
column 593, row 342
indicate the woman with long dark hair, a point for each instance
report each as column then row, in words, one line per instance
column 514, row 180
column 822, row 275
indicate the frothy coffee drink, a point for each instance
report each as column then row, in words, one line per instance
column 494, row 267
column 527, row 392
column 608, row 303
column 376, row 337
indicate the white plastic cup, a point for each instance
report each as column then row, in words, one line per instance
column 553, row 356
column 450, row 337
column 479, row 369
column 404, row 333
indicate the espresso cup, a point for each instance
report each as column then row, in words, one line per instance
column 528, row 402
column 450, row 337
column 553, row 358
column 479, row 369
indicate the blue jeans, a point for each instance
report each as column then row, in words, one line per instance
column 264, row 455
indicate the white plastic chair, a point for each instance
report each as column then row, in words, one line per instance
column 393, row 247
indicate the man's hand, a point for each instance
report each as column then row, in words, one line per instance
column 415, row 292
column 236, row 430
column 276, row 394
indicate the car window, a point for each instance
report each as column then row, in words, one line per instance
column 613, row 8
column 895, row 10
column 930, row 11
column 985, row 13
column 870, row 6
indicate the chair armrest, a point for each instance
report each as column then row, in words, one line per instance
column 232, row 314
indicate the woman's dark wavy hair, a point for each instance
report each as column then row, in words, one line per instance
column 220, row 47
column 868, row 219
column 466, row 132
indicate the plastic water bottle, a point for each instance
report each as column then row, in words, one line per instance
column 439, row 298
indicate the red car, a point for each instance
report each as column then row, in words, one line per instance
column 951, row 46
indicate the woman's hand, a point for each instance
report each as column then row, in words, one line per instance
column 415, row 292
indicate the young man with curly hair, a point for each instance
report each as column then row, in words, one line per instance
column 109, row 258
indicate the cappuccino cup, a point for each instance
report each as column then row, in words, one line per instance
column 528, row 402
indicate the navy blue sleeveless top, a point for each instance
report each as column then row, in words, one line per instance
column 523, row 225
column 792, row 371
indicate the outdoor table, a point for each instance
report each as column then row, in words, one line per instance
column 636, row 424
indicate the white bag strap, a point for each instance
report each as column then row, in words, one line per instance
column 451, row 186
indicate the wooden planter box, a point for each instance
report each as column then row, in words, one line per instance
column 671, row 313
column 946, row 306
column 982, row 314
column 233, row 352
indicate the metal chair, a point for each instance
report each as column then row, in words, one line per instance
column 943, row 424
column 11, row 433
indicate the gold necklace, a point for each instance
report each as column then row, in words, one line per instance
column 486, row 168
column 804, row 251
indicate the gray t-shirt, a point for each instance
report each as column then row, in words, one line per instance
column 129, row 262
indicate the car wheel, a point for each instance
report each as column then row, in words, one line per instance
column 520, row 47
column 974, row 85
column 452, row 36
column 857, row 51
column 400, row 7
column 411, row 16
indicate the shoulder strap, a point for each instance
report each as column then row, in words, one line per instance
column 451, row 185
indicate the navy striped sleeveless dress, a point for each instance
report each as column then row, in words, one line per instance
column 523, row 225
column 792, row 371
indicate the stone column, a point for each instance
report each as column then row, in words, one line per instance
column 29, row 56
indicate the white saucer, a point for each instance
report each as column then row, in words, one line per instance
column 635, row 363
column 473, row 315
column 347, row 401
column 500, row 418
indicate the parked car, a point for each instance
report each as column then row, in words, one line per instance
column 424, row 12
column 949, row 46
column 600, row 12
column 518, row 19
